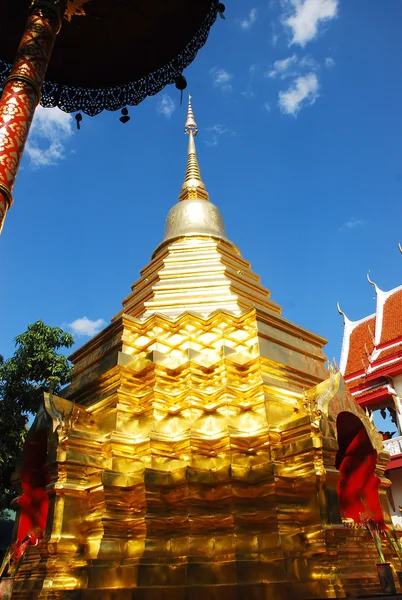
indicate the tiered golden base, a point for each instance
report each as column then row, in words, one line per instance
column 188, row 461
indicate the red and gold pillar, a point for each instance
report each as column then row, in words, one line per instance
column 22, row 90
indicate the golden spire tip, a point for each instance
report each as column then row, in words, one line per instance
column 190, row 125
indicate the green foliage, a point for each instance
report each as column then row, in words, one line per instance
column 24, row 377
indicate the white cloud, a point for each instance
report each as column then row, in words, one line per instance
column 50, row 130
column 86, row 327
column 303, row 92
column 216, row 132
column 282, row 67
column 251, row 19
column 292, row 66
column 221, row 79
column 267, row 107
column 329, row 62
column 306, row 16
column 249, row 93
column 166, row 106
column 352, row 224
column 307, row 62
column 274, row 34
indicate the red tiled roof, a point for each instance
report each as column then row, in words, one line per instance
column 388, row 352
column 356, row 382
column 392, row 318
column 361, row 339
column 370, row 390
column 362, row 355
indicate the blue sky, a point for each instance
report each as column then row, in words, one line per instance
column 299, row 109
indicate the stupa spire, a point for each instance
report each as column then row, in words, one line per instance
column 193, row 186
column 194, row 214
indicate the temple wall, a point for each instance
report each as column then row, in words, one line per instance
column 395, row 475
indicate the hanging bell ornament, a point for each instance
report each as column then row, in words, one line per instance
column 181, row 84
column 221, row 10
column 124, row 115
column 78, row 118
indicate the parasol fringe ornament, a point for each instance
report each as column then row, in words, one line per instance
column 78, row 119
column 181, row 84
column 124, row 115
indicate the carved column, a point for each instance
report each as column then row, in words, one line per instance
column 22, row 90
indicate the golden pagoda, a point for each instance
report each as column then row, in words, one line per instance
column 204, row 449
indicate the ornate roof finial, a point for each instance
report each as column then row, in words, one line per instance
column 340, row 311
column 193, row 186
column 370, row 280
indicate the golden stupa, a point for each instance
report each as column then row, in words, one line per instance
column 203, row 450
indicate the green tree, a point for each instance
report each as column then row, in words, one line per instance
column 35, row 365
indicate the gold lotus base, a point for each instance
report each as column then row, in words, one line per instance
column 194, row 458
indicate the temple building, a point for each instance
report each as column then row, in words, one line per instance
column 205, row 447
column 371, row 363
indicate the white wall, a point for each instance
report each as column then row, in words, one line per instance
column 396, row 477
column 396, row 383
